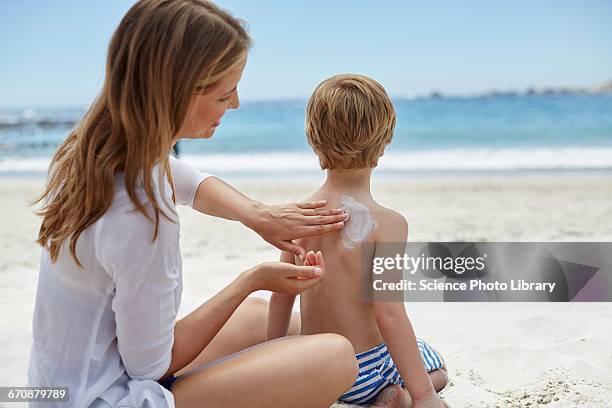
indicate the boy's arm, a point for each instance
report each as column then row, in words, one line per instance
column 280, row 308
column 391, row 317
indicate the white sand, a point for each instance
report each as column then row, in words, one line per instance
column 504, row 354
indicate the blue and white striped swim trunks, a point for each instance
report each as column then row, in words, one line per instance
column 377, row 370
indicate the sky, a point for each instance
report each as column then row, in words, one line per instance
column 52, row 53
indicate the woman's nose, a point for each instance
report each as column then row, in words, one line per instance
column 235, row 101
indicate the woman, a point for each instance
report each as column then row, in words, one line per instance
column 110, row 277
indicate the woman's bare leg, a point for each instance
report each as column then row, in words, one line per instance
column 247, row 327
column 300, row 371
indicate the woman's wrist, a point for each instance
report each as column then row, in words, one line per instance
column 247, row 281
column 252, row 214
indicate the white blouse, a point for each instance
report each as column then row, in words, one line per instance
column 106, row 330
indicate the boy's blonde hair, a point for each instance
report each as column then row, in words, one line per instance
column 349, row 121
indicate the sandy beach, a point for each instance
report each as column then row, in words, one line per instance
column 498, row 354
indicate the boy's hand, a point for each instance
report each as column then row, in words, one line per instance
column 312, row 259
column 430, row 401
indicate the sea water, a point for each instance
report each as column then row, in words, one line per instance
column 483, row 135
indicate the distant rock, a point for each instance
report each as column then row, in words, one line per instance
column 602, row 88
column 605, row 87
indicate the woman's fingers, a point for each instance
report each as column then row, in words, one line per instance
column 279, row 224
column 304, row 272
column 310, row 213
column 320, row 229
column 289, row 278
column 312, row 204
column 326, row 219
column 289, row 246
column 304, row 284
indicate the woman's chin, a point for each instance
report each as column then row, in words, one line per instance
column 201, row 134
column 208, row 134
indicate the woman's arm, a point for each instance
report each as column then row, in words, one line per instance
column 196, row 330
column 193, row 332
column 217, row 198
column 277, row 224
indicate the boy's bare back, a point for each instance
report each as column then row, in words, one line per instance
column 349, row 121
column 337, row 305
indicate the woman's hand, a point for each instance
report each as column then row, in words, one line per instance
column 279, row 224
column 286, row 278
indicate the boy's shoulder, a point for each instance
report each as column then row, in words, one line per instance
column 392, row 226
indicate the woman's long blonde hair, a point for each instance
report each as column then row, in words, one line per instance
column 161, row 51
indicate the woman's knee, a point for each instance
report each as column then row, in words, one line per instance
column 256, row 303
column 338, row 355
column 252, row 315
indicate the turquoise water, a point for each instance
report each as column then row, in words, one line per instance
column 499, row 133
column 494, row 122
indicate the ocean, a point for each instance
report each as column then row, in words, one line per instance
column 498, row 134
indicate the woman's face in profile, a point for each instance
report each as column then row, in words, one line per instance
column 207, row 109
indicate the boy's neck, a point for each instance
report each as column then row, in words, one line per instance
column 349, row 180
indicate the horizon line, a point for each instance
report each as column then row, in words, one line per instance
column 604, row 87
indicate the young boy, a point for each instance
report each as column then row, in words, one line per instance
column 349, row 122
